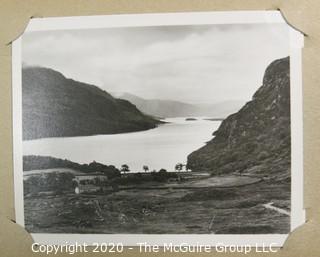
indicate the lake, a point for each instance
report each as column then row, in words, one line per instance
column 162, row 147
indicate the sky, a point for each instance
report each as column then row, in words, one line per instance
column 194, row 64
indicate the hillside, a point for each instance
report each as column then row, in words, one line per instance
column 256, row 139
column 32, row 162
column 169, row 108
column 55, row 106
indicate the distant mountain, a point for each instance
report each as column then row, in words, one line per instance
column 220, row 109
column 257, row 138
column 171, row 108
column 55, row 106
column 160, row 108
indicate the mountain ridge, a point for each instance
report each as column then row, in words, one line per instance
column 56, row 106
column 171, row 108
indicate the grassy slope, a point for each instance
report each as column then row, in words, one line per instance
column 192, row 211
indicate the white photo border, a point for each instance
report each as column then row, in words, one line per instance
column 160, row 19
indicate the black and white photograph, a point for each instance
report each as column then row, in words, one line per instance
column 157, row 128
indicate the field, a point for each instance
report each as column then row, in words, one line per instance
column 220, row 205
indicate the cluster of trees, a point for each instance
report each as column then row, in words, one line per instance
column 162, row 175
column 58, row 182
column 138, row 178
column 125, row 168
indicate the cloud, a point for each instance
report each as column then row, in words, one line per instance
column 206, row 63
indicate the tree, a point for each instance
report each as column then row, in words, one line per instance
column 178, row 167
column 162, row 170
column 125, row 168
column 145, row 168
column 111, row 171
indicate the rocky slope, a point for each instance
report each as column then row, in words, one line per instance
column 55, row 106
column 256, row 139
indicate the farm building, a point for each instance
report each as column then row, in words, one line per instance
column 88, row 183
